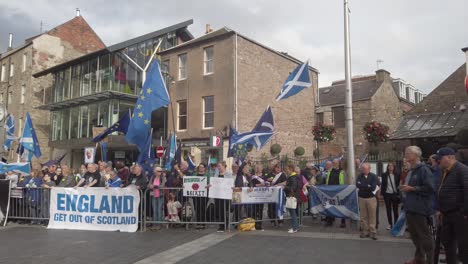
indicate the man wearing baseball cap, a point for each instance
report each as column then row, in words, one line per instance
column 452, row 200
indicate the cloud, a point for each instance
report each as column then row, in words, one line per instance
column 418, row 40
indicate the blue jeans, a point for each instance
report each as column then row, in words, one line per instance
column 158, row 208
column 294, row 220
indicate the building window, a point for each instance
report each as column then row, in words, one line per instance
column 12, row 70
column 10, row 95
column 3, row 72
column 1, row 98
column 208, row 112
column 182, row 115
column 183, row 66
column 23, row 93
column 208, row 60
column 402, row 91
column 20, row 130
column 338, row 116
column 319, row 118
column 411, row 95
column 25, row 57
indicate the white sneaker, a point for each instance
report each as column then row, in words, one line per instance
column 389, row 227
column 291, row 231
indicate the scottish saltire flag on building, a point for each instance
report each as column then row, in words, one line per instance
column 10, row 131
column 120, row 126
column 171, row 151
column 154, row 95
column 20, row 168
column 255, row 138
column 29, row 139
column 340, row 201
column 298, row 80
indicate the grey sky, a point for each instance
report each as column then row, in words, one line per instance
column 418, row 40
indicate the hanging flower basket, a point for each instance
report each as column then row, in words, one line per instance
column 323, row 133
column 375, row 132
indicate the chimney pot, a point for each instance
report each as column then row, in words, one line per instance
column 382, row 75
column 10, row 42
column 77, row 12
column 208, row 29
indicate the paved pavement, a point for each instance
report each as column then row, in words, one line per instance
column 314, row 243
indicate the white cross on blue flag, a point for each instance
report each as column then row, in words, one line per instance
column 298, row 80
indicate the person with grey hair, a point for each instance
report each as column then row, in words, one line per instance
column 91, row 178
column 366, row 182
column 418, row 193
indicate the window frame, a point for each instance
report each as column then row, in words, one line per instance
column 12, row 70
column 3, row 73
column 25, row 60
column 204, row 112
column 206, row 61
column 334, row 118
column 23, row 94
column 179, row 69
column 179, row 115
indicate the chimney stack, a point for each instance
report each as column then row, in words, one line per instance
column 77, row 12
column 465, row 50
column 10, row 42
column 208, row 29
column 382, row 75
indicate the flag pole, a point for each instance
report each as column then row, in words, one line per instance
column 349, row 97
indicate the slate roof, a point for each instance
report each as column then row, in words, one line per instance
column 335, row 94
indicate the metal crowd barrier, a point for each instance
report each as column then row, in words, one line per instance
column 29, row 204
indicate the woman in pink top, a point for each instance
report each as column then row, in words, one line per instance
column 157, row 182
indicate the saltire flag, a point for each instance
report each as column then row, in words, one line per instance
column 231, row 151
column 29, row 139
column 154, row 95
column 340, row 201
column 20, row 168
column 171, row 151
column 120, row 126
column 399, row 227
column 266, row 122
column 298, row 80
column 255, row 138
column 54, row 161
column 191, row 164
column 178, row 155
column 104, row 151
column 10, row 132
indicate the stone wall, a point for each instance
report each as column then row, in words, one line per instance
column 261, row 74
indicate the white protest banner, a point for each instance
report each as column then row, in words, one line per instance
column 221, row 188
column 258, row 195
column 195, row 186
column 113, row 209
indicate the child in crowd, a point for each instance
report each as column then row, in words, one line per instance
column 173, row 207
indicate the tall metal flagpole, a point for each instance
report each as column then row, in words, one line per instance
column 349, row 98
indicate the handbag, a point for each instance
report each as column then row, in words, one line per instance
column 291, row 202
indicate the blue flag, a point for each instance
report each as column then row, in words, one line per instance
column 147, row 152
column 298, row 80
column 266, row 122
column 154, row 95
column 231, row 150
column 10, row 131
column 104, row 151
column 340, row 201
column 120, row 126
column 171, row 151
column 255, row 138
column 21, row 168
column 191, row 164
column 29, row 139
column 54, row 161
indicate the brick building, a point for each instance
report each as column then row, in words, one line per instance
column 374, row 98
column 224, row 78
column 21, row 93
column 93, row 91
column 442, row 114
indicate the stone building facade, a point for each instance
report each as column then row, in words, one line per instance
column 373, row 99
column 21, row 93
column 238, row 78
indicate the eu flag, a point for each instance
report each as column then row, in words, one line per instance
column 154, row 95
column 120, row 126
column 29, row 139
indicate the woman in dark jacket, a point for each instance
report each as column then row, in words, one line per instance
column 292, row 190
column 243, row 179
column 390, row 192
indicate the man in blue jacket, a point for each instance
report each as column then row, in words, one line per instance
column 418, row 194
column 452, row 203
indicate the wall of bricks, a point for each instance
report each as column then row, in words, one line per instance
column 261, row 74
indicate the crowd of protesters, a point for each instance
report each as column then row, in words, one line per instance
column 434, row 195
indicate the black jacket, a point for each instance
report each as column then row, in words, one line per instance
column 420, row 200
column 452, row 193
column 386, row 182
column 239, row 181
column 292, row 187
column 140, row 181
column 367, row 185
